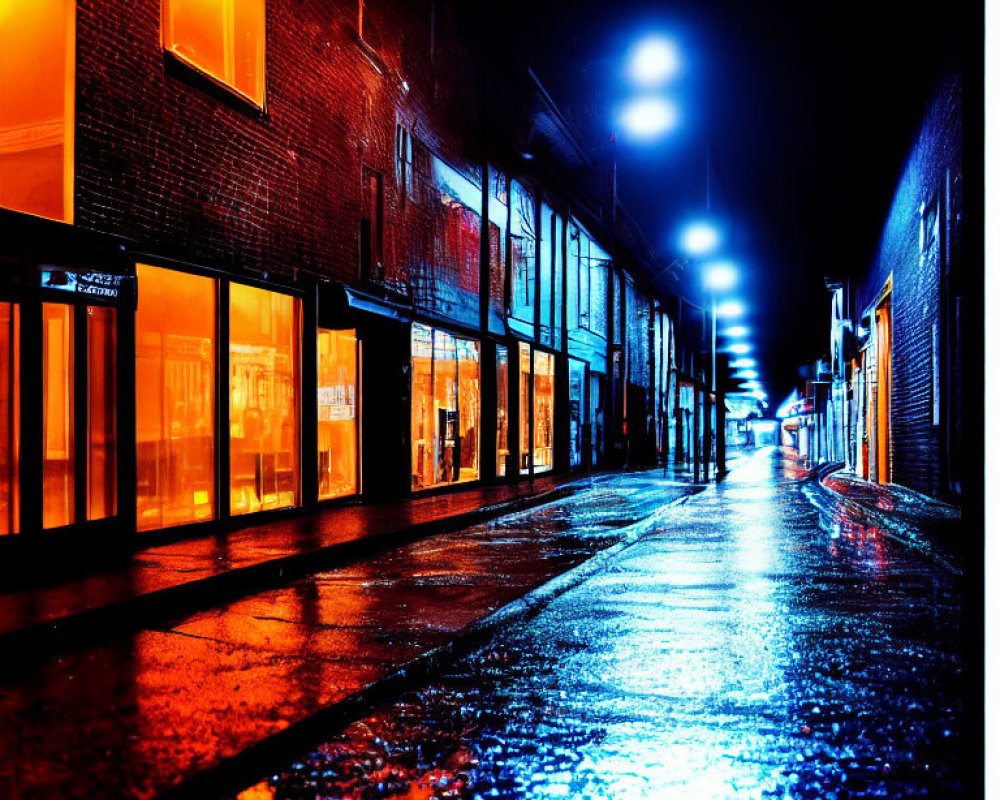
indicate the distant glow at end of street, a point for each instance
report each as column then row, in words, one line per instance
column 739, row 348
column 654, row 60
column 731, row 308
column 752, row 374
column 737, row 331
column 700, row 238
column 720, row 275
column 743, row 363
column 649, row 117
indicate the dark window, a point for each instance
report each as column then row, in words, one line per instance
column 370, row 238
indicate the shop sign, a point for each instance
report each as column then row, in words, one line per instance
column 98, row 285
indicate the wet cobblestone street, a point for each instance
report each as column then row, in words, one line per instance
column 740, row 649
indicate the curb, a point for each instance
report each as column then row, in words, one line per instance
column 95, row 625
column 899, row 532
column 261, row 759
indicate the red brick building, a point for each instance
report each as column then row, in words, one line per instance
column 268, row 254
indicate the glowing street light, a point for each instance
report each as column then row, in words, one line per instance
column 654, row 61
column 736, row 331
column 648, row 117
column 740, row 348
column 748, row 373
column 730, row 308
column 700, row 238
column 720, row 276
column 744, row 363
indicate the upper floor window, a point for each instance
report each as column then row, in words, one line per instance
column 37, row 67
column 222, row 38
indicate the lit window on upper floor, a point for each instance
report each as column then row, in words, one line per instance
column 37, row 66
column 222, row 38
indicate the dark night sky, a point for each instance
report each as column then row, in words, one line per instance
column 809, row 110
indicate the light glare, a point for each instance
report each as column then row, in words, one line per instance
column 731, row 308
column 700, row 238
column 654, row 61
column 720, row 275
column 744, row 362
column 648, row 117
column 739, row 349
column 736, row 331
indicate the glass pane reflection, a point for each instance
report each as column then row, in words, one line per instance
column 263, row 399
column 58, row 445
column 337, row 397
column 174, row 398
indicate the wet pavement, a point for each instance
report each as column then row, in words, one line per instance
column 137, row 714
column 283, row 538
column 746, row 646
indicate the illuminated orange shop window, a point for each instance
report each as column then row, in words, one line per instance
column 445, row 416
column 174, row 398
column 264, row 330
column 102, row 486
column 37, row 65
column 524, row 395
column 223, row 38
column 10, row 420
column 337, row 399
column 468, row 408
column 503, row 449
column 544, row 409
column 58, row 450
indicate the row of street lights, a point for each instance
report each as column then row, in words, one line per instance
column 648, row 115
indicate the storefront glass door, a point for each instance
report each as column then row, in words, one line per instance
column 445, row 402
column 10, row 419
column 337, row 417
column 175, row 344
column 264, row 330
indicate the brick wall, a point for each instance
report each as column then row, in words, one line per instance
column 915, row 265
column 191, row 172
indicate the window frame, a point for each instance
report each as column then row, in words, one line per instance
column 204, row 72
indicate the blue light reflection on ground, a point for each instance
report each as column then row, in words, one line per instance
column 739, row 651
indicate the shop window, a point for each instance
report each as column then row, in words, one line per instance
column 544, row 410
column 264, row 332
column 37, row 66
column 10, row 419
column 102, row 484
column 503, row 449
column 175, row 371
column 577, row 419
column 404, row 162
column 468, row 408
column 524, row 395
column 58, row 429
column 222, row 38
column 445, row 417
column 337, row 401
